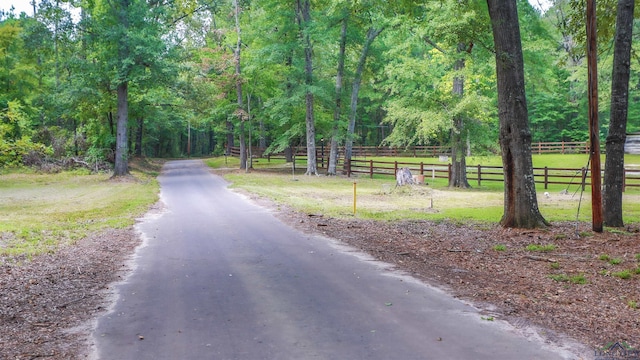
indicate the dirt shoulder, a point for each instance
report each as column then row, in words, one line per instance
column 573, row 290
column 48, row 303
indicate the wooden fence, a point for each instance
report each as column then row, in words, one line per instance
column 322, row 151
column 480, row 173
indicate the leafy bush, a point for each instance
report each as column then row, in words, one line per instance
column 21, row 152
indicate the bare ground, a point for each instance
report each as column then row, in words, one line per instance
column 48, row 303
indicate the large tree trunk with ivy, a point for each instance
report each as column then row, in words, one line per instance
column 121, row 167
column 520, row 199
column 614, row 163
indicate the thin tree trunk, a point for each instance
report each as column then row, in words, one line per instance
column 111, row 124
column 520, row 199
column 121, row 162
column 240, row 111
column 333, row 153
column 139, row 137
column 372, row 33
column 458, row 161
column 614, row 162
column 304, row 18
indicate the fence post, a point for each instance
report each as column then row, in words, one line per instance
column 395, row 168
column 449, row 174
column 479, row 175
column 546, row 177
column 371, row 169
column 584, row 178
column 421, row 168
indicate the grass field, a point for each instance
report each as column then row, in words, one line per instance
column 378, row 198
column 38, row 212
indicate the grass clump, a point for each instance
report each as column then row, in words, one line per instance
column 500, row 247
column 559, row 277
column 624, row 274
column 540, row 248
column 576, row 279
column 615, row 261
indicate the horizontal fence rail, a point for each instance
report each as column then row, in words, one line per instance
column 561, row 147
column 479, row 173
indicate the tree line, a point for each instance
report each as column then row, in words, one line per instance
column 111, row 79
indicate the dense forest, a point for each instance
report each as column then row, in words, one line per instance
column 195, row 77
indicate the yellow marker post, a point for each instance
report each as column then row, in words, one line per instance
column 354, row 198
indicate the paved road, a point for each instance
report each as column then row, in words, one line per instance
column 221, row 278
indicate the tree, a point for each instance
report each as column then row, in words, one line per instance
column 126, row 36
column 333, row 153
column 372, row 33
column 303, row 16
column 240, row 112
column 520, row 199
column 614, row 162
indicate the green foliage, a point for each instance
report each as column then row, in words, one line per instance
column 12, row 153
column 62, row 73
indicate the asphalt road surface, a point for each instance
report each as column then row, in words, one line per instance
column 221, row 278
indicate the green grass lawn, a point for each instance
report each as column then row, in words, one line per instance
column 378, row 198
column 38, row 212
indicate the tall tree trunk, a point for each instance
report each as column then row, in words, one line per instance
column 520, row 199
column 304, row 19
column 333, row 153
column 614, row 162
column 458, row 152
column 139, row 137
column 212, row 140
column 372, row 33
column 121, row 162
column 111, row 124
column 240, row 111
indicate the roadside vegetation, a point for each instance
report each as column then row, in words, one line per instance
column 41, row 211
column 380, row 199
